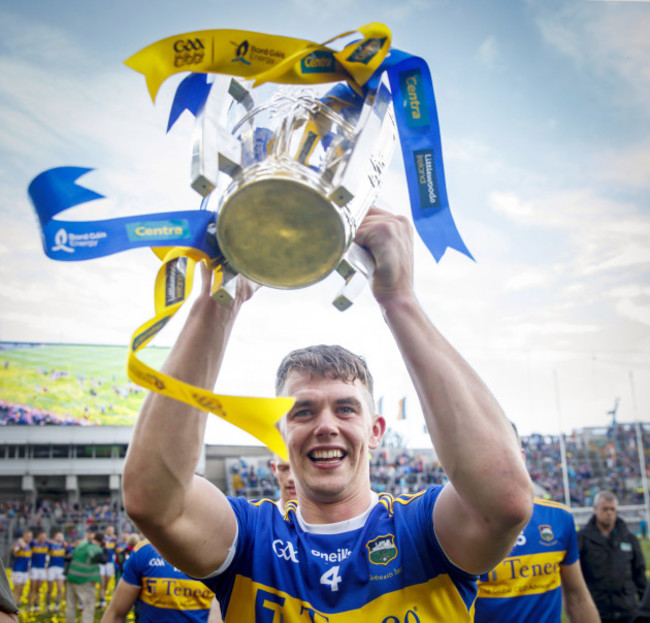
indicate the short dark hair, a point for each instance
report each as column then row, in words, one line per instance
column 334, row 362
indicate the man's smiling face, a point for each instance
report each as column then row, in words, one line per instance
column 329, row 432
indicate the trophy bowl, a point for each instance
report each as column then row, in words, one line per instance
column 295, row 169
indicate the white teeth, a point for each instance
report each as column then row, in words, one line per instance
column 322, row 455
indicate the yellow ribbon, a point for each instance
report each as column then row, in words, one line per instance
column 173, row 285
column 263, row 58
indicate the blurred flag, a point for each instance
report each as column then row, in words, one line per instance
column 401, row 412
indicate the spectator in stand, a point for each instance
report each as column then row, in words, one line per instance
column 163, row 592
column 55, row 566
column 82, row 577
column 38, row 570
column 22, row 553
column 612, row 562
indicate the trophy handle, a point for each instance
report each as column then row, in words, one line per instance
column 357, row 268
column 214, row 148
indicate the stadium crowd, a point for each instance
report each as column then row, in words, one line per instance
column 610, row 461
column 12, row 414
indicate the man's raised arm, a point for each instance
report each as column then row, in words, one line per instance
column 185, row 517
column 489, row 498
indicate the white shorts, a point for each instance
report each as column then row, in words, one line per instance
column 54, row 574
column 107, row 569
column 38, row 573
column 20, row 577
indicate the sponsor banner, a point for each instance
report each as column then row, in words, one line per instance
column 56, row 190
column 158, row 231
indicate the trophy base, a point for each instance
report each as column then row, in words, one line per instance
column 281, row 233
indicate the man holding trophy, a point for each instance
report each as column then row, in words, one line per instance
column 295, row 169
column 342, row 550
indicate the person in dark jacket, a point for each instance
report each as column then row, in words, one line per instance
column 612, row 562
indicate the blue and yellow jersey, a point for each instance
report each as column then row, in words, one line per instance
column 39, row 554
column 527, row 584
column 22, row 558
column 109, row 548
column 166, row 593
column 383, row 566
column 57, row 554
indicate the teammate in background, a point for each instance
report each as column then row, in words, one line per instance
column 286, row 484
column 612, row 561
column 22, row 553
column 38, row 570
column 107, row 570
column 542, row 569
column 55, row 566
column 343, row 548
column 163, row 592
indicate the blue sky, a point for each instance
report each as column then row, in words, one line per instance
column 546, row 138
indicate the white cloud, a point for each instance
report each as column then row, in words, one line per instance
column 629, row 166
column 508, row 204
column 592, row 217
column 638, row 313
column 630, row 291
column 529, row 279
column 607, row 38
column 488, row 52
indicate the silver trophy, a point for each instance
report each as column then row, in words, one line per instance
column 295, row 169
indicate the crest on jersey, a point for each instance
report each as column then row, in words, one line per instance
column 546, row 532
column 382, row 549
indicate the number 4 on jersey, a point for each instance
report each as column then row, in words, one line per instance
column 331, row 578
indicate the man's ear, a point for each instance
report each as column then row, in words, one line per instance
column 377, row 431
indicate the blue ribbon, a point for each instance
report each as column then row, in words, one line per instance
column 417, row 123
column 55, row 190
column 190, row 95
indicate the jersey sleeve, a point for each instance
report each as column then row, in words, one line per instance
column 132, row 572
column 572, row 554
column 246, row 518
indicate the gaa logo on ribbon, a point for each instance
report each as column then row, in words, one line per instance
column 188, row 52
column 61, row 242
